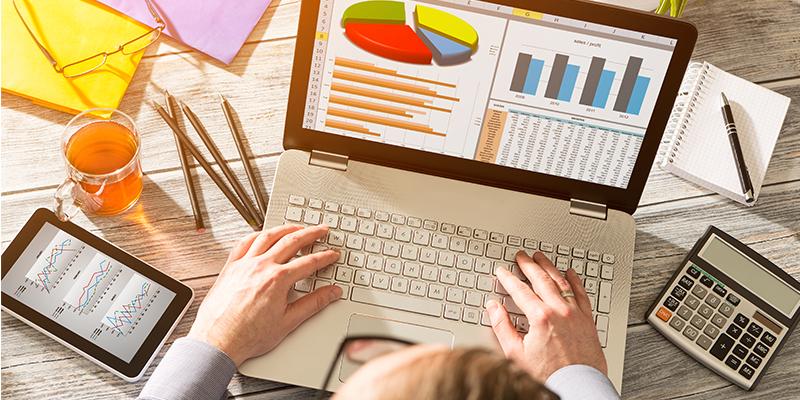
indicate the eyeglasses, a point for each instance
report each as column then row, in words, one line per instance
column 356, row 351
column 91, row 63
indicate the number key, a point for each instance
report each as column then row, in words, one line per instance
column 726, row 309
column 692, row 302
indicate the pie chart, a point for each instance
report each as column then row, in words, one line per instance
column 379, row 27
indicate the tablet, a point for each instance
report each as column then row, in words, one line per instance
column 89, row 295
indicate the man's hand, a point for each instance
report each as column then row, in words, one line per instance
column 562, row 330
column 246, row 313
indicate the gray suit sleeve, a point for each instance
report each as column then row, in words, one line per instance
column 575, row 382
column 191, row 369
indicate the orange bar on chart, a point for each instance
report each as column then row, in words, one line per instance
column 382, row 121
column 353, row 77
column 361, row 91
column 332, row 123
column 347, row 101
column 344, row 62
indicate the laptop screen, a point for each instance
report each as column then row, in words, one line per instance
column 487, row 82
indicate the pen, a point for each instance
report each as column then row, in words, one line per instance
column 248, row 169
column 206, row 166
column 187, row 173
column 738, row 156
column 223, row 164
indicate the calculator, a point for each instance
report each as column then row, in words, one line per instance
column 728, row 307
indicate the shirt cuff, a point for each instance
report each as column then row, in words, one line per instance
column 581, row 382
column 191, row 369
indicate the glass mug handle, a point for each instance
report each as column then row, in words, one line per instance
column 70, row 197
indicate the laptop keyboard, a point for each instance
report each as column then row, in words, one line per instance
column 433, row 267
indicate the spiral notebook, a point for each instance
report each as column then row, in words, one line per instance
column 697, row 147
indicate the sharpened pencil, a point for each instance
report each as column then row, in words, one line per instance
column 187, row 172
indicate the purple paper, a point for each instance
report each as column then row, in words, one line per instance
column 215, row 27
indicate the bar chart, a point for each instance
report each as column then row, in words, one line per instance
column 563, row 77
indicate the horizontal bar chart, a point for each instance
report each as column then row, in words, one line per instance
column 379, row 94
column 389, row 84
column 368, row 105
column 364, row 66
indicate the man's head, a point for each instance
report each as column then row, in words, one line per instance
column 435, row 372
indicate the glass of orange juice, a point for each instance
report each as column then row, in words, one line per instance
column 104, row 175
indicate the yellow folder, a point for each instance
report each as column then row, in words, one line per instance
column 71, row 30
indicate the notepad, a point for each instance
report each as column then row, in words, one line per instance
column 71, row 30
column 697, row 145
column 218, row 28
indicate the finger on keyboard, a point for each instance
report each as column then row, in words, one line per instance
column 289, row 245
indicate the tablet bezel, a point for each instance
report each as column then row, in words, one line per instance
column 129, row 370
column 627, row 199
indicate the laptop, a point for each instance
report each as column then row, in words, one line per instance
column 439, row 137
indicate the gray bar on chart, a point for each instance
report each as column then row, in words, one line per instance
column 626, row 87
column 592, row 79
column 520, row 72
column 556, row 76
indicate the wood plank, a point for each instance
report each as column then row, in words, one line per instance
column 663, row 186
column 756, row 40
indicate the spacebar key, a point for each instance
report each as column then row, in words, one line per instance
column 391, row 300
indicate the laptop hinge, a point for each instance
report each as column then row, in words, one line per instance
column 328, row 160
column 588, row 209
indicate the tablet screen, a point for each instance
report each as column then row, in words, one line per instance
column 87, row 292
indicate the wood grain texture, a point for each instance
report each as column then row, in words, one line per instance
column 759, row 41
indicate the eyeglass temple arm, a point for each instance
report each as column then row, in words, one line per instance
column 38, row 44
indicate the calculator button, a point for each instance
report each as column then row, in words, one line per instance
column 686, row 282
column 734, row 331
column 722, row 346
column 741, row 320
column 754, row 329
column 679, row 292
column 711, row 331
column 692, row 302
column 726, row 309
column 663, row 314
column 733, row 299
column 746, row 371
column 690, row 333
column 747, row 340
column 671, row 303
column 708, row 282
column 740, row 351
column 761, row 349
column 705, row 311
column 720, row 290
column 693, row 272
column 718, row 320
column 684, row 312
column 698, row 322
column 704, row 342
column 768, row 339
column 712, row 300
column 754, row 360
column 677, row 324
column 699, row 291
column 733, row 362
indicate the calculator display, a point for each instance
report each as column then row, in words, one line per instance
column 751, row 275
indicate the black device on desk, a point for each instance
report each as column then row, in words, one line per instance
column 728, row 307
column 89, row 295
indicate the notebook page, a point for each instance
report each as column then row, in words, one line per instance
column 706, row 153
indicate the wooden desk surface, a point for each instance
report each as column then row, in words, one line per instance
column 759, row 41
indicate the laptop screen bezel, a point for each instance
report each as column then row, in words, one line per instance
column 624, row 199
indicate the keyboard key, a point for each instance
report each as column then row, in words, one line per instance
column 604, row 298
column 403, row 234
column 692, row 302
column 719, row 320
column 312, row 217
column 747, row 371
column 294, row 214
column 412, row 270
column 608, row 258
column 704, row 342
column 698, row 322
column 512, row 307
column 455, row 295
column 690, row 333
column 354, row 242
column 485, row 283
column 677, row 324
column 522, row 324
column 315, row 203
column 470, row 315
column 473, row 298
column 602, row 323
column 734, row 331
column 393, row 267
column 726, row 309
column 440, row 241
column 546, row 247
column 395, row 301
column 592, row 269
column 684, row 312
column 373, row 245
column 464, row 231
column 562, row 250
column 379, row 281
column 398, row 219
column 391, row 249
column 483, row 266
column 375, row 263
column 699, row 291
column 706, row 281
column 761, row 349
column 345, row 290
column 366, row 227
column 430, row 273
column 590, row 285
column 452, row 311
column 494, row 251
column 722, row 346
column 348, row 224
column 447, row 276
column 399, row 284
column 427, row 255
column 319, row 283
column 768, row 339
column 733, row 362
column 356, row 259
column 409, row 252
column 448, row 229
column 747, row 340
column 515, row 241
column 385, row 231
column 577, row 265
column 348, row 209
column 480, row 234
column 466, row 279
column 336, row 238
column 485, row 320
column 422, row 238
column 578, row 253
column 498, row 288
column 741, row 320
column 755, row 329
column 603, row 337
column 458, row 244
column 326, row 272
column 678, row 292
column 430, row 225
column 754, row 360
column 464, row 262
column 332, row 220
column 671, row 303
column 712, row 301
column 607, row 272
column 733, row 299
column 593, row 255
column 303, row 285
column 414, row 222
column 740, row 351
column 720, row 290
column 476, row 248
column 362, row 278
column 382, row 216
column 436, row 292
column 297, row 200
column 711, row 330
column 686, row 282
column 693, row 272
column 562, row 263
column 497, row 237
column 446, row 259
column 530, row 244
column 344, row 274
column 418, row 288
column 705, row 311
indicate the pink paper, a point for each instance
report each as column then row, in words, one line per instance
column 215, row 27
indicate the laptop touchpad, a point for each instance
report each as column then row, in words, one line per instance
column 365, row 325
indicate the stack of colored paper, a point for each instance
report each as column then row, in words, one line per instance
column 215, row 27
column 70, row 30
